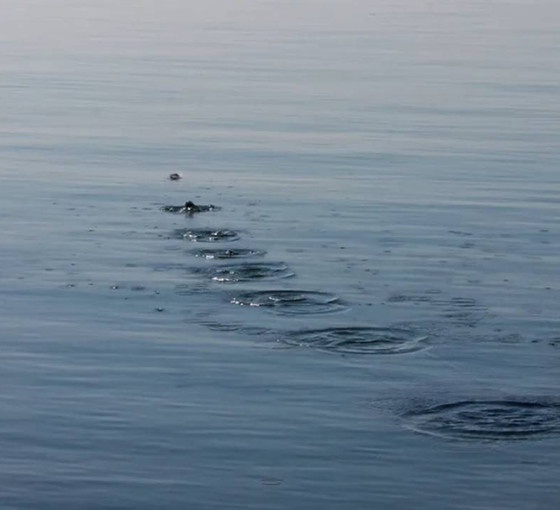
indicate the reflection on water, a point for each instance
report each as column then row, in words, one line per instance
column 399, row 158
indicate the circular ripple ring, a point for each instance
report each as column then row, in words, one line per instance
column 487, row 420
column 358, row 340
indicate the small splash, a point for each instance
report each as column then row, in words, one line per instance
column 358, row 340
column 219, row 254
column 494, row 420
column 291, row 302
column 205, row 235
column 247, row 272
column 189, row 208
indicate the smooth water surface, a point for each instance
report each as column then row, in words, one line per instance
column 368, row 318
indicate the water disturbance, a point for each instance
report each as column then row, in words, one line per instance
column 189, row 208
column 247, row 272
column 228, row 253
column 205, row 235
column 400, row 157
column 291, row 302
column 358, row 340
column 488, row 420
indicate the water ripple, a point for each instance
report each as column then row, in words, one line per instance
column 358, row 340
column 247, row 272
column 230, row 253
column 487, row 420
column 291, row 302
column 205, row 235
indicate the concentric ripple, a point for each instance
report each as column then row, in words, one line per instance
column 358, row 340
column 291, row 302
column 231, row 253
column 247, row 272
column 205, row 235
column 488, row 420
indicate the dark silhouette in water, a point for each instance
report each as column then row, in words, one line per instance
column 189, row 208
column 175, row 177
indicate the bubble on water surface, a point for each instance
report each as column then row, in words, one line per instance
column 247, row 272
column 291, row 302
column 487, row 420
column 358, row 340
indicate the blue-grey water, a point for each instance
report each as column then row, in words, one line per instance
column 371, row 318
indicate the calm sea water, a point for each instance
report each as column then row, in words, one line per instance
column 390, row 337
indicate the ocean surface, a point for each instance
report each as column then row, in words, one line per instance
column 368, row 317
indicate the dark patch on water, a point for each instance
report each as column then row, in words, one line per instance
column 460, row 233
column 184, row 289
column 494, row 420
column 221, row 327
column 169, row 267
column 291, row 302
column 463, row 311
column 403, row 298
column 205, row 235
column 230, row 253
column 461, row 302
column 271, row 481
column 138, row 288
column 358, row 340
column 189, row 208
column 247, row 272
column 235, row 328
